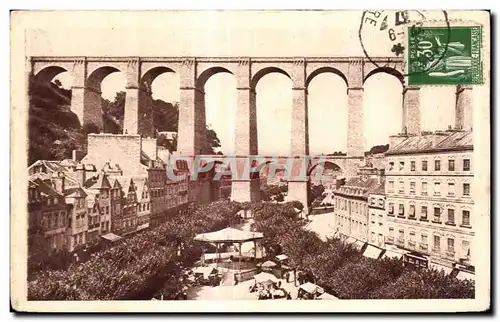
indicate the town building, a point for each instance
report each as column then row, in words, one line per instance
column 78, row 220
column 126, row 221
column 429, row 196
column 351, row 203
column 143, row 202
column 47, row 215
column 377, row 216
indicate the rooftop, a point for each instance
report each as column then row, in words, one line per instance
column 361, row 186
column 433, row 142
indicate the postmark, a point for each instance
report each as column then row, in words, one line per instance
column 445, row 56
column 385, row 33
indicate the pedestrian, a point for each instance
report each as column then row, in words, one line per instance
column 287, row 277
column 279, row 284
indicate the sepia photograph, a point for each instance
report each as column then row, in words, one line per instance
column 250, row 161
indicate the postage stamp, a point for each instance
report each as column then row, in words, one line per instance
column 448, row 56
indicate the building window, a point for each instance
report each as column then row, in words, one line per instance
column 401, row 210
column 423, row 213
column 424, row 239
column 437, row 188
column 451, row 188
column 401, row 186
column 401, row 165
column 412, row 165
column 412, row 187
column 424, row 165
column 466, row 189
column 424, row 188
column 465, row 218
column 391, row 231
column 437, row 214
column 437, row 165
column 401, row 235
column 412, row 236
column 412, row 211
column 451, row 165
column 391, row 166
column 391, row 209
column 465, row 247
column 391, row 186
column 437, row 243
column 466, row 164
column 373, row 237
column 451, row 217
column 451, row 245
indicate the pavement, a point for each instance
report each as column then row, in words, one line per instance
column 322, row 224
column 233, row 292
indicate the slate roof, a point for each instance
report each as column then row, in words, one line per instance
column 359, row 187
column 124, row 181
column 45, row 188
column 434, row 142
column 101, row 183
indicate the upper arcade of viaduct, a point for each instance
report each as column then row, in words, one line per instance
column 195, row 71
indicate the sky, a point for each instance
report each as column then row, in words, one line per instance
column 252, row 34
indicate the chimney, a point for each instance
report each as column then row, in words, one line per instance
column 59, row 181
column 80, row 174
column 76, row 155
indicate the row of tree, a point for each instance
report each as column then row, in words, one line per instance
column 342, row 270
column 139, row 267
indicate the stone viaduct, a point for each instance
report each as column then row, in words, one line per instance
column 140, row 72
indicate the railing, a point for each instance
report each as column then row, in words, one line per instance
column 400, row 242
column 424, row 246
column 389, row 240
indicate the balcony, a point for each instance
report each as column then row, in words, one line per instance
column 411, row 244
column 389, row 240
column 412, row 217
column 424, row 247
column 400, row 242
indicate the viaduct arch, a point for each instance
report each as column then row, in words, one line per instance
column 140, row 72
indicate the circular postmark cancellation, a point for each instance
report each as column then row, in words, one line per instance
column 385, row 33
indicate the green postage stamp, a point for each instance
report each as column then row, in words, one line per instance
column 444, row 56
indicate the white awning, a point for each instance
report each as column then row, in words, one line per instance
column 281, row 257
column 111, row 237
column 392, row 254
column 311, row 288
column 462, row 275
column 350, row 240
column 447, row 270
column 358, row 244
column 372, row 252
column 265, row 277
